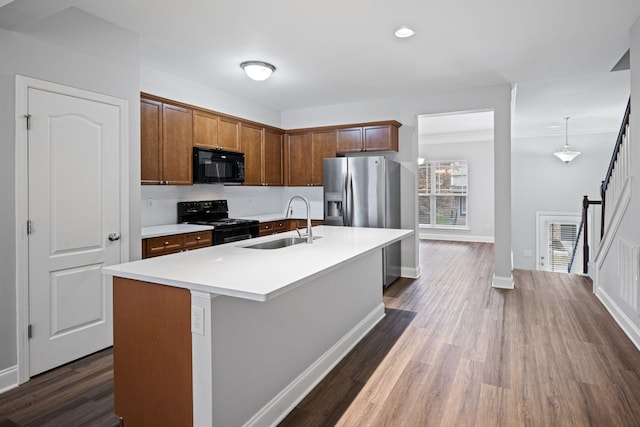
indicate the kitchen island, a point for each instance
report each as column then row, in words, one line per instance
column 231, row 335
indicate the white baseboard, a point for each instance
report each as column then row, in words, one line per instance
column 8, row 379
column 271, row 414
column 409, row 272
column 457, row 238
column 619, row 316
column 501, row 282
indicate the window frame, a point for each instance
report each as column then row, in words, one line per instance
column 432, row 193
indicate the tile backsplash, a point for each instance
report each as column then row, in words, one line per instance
column 159, row 201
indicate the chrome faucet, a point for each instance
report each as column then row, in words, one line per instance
column 306, row 202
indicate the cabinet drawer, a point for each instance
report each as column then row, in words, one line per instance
column 302, row 223
column 280, row 226
column 267, row 228
column 164, row 245
column 199, row 239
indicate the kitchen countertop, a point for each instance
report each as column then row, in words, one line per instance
column 169, row 229
column 255, row 274
column 278, row 217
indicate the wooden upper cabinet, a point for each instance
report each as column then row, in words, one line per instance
column 166, row 140
column 298, row 159
column 169, row 130
column 150, row 141
column 251, row 144
column 350, row 140
column 228, row 134
column 217, row 132
column 272, row 158
column 262, row 155
column 177, row 142
column 305, row 153
column 323, row 146
column 383, row 137
column 205, row 129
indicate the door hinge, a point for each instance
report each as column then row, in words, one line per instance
column 30, row 331
column 29, row 227
column 28, row 117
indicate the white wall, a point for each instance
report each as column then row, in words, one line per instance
column 170, row 86
column 542, row 183
column 159, row 201
column 480, row 200
column 61, row 50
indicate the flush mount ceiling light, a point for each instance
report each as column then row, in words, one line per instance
column 258, row 70
column 404, row 32
column 567, row 153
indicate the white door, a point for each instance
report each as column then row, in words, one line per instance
column 73, row 207
column 557, row 235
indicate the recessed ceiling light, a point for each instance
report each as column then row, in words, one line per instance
column 258, row 70
column 404, row 32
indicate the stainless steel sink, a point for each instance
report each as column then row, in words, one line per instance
column 279, row 243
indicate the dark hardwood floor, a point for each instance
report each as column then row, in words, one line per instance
column 77, row 394
column 452, row 351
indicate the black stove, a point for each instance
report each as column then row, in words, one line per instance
column 216, row 214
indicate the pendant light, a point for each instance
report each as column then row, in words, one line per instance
column 567, row 153
column 258, row 70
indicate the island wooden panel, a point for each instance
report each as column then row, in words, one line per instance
column 152, row 354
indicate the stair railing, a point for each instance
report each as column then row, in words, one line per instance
column 584, row 231
column 575, row 246
column 617, row 173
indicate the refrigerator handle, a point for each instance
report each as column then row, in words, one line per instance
column 350, row 207
column 345, row 197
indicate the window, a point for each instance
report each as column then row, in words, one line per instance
column 442, row 194
column 560, row 238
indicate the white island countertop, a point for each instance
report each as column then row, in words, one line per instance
column 259, row 274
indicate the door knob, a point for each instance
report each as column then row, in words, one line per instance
column 113, row 237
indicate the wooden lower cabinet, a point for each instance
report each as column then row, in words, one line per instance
column 280, row 226
column 152, row 354
column 273, row 227
column 165, row 245
column 301, row 224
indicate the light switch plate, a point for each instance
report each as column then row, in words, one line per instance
column 197, row 320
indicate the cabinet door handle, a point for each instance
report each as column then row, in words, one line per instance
column 113, row 237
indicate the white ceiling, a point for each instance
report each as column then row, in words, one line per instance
column 557, row 52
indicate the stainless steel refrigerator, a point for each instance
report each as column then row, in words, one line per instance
column 365, row 192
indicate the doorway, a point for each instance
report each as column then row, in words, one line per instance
column 72, row 219
column 557, row 235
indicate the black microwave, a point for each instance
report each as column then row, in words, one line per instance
column 216, row 166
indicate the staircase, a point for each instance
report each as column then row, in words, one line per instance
column 615, row 192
